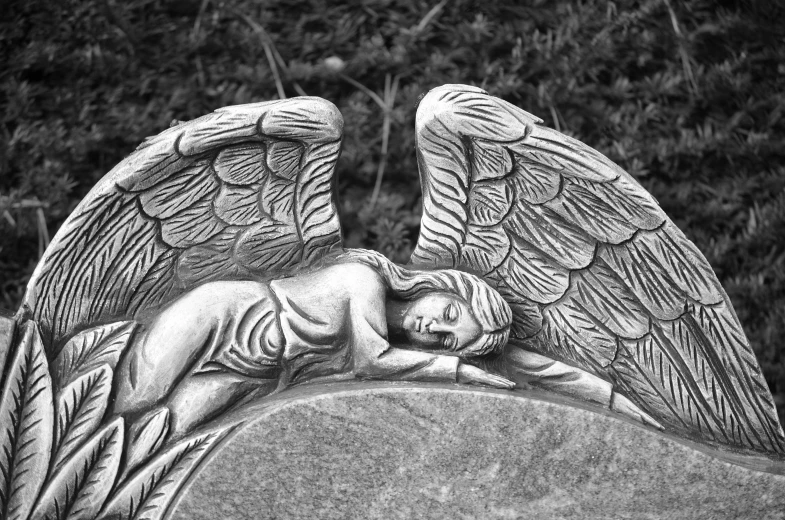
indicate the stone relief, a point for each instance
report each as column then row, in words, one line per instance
column 207, row 270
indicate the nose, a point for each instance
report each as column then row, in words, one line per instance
column 438, row 327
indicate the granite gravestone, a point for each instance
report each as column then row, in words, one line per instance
column 202, row 285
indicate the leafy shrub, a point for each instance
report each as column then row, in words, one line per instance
column 686, row 96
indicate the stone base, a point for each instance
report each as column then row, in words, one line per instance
column 403, row 451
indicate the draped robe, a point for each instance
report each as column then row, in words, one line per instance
column 222, row 338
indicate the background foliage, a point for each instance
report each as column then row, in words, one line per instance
column 687, row 96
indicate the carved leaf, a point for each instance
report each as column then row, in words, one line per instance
column 90, row 349
column 147, row 437
column 148, row 494
column 79, row 489
column 80, row 407
column 243, row 164
column 489, row 202
column 26, row 416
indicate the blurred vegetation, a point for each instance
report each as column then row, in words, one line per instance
column 686, row 96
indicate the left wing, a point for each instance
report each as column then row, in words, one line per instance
column 596, row 274
column 242, row 193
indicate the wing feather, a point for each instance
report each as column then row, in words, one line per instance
column 560, row 239
column 594, row 271
column 490, row 202
column 243, row 192
column 238, row 205
column 242, row 164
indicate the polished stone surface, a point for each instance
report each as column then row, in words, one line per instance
column 402, row 451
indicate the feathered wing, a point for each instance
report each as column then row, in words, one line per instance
column 596, row 274
column 242, row 193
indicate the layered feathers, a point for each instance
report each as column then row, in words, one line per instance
column 596, row 274
column 245, row 192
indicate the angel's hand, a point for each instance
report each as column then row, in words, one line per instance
column 624, row 406
column 471, row 375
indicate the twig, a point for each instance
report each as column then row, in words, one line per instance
column 198, row 21
column 122, row 25
column 200, row 77
column 266, row 43
column 685, row 58
column 386, row 104
column 43, row 232
column 389, row 98
column 285, row 68
column 299, row 89
column 555, row 117
column 429, row 16
column 373, row 95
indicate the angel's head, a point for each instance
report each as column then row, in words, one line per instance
column 444, row 309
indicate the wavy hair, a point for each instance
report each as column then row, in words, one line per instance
column 489, row 308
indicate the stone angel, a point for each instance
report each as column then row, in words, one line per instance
column 539, row 263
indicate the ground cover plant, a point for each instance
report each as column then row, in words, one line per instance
column 687, row 96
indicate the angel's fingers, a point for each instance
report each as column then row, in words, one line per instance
column 648, row 419
column 499, row 381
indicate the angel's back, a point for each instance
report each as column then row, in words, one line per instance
column 321, row 304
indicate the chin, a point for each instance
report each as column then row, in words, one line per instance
column 407, row 324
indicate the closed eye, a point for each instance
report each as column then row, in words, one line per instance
column 450, row 313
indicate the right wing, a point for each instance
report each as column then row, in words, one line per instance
column 244, row 192
column 595, row 273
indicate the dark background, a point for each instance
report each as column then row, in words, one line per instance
column 688, row 97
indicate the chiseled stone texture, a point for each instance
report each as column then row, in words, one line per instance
column 435, row 452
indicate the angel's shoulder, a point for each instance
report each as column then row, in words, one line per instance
column 356, row 278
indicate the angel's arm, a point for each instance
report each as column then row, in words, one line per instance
column 542, row 372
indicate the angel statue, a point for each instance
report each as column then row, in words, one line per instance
column 207, row 269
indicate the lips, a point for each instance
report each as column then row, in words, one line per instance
column 418, row 324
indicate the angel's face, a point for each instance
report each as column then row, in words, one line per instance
column 440, row 321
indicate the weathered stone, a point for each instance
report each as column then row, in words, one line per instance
column 393, row 451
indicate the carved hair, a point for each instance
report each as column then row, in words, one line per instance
column 487, row 305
